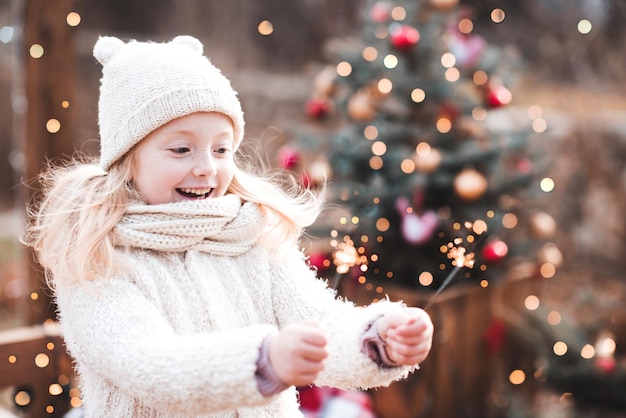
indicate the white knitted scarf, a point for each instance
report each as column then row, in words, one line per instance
column 220, row 226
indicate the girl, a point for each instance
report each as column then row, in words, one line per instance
column 179, row 284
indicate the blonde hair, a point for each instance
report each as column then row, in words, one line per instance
column 71, row 228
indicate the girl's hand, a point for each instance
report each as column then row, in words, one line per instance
column 408, row 335
column 297, row 353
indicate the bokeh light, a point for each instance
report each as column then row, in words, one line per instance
column 36, row 51
column 531, row 302
column 53, row 126
column 584, row 26
column 418, row 95
column 390, row 61
column 517, row 377
column 385, row 85
column 559, row 348
column 497, row 15
column 266, row 28
column 344, row 69
column 370, row 53
column 73, row 19
column 546, row 184
column 426, row 278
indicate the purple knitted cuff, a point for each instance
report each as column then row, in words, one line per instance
column 374, row 347
column 267, row 380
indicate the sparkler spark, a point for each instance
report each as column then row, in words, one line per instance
column 461, row 257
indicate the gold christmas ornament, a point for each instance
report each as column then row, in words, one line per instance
column 320, row 171
column 444, row 4
column 324, row 82
column 550, row 253
column 543, row 225
column 470, row 184
column 361, row 106
column 427, row 162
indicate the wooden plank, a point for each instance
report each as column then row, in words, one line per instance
column 32, row 359
column 457, row 377
column 49, row 83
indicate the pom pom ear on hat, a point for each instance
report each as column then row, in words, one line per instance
column 191, row 42
column 105, row 47
column 144, row 85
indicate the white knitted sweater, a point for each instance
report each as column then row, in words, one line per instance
column 178, row 335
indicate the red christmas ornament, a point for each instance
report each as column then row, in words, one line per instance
column 495, row 251
column 606, row 364
column 380, row 12
column 404, row 37
column 498, row 96
column 320, row 261
column 318, row 108
column 449, row 111
column 288, row 157
column 495, row 336
column 525, row 166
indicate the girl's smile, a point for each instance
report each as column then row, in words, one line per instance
column 189, row 158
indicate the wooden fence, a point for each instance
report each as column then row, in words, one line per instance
column 33, row 362
column 467, row 371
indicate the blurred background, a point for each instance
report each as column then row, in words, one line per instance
column 475, row 156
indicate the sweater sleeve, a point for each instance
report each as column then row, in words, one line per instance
column 117, row 335
column 299, row 296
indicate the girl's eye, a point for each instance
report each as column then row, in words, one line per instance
column 222, row 150
column 180, row 150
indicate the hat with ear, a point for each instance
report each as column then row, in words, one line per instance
column 144, row 85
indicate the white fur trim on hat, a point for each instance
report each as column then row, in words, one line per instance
column 144, row 85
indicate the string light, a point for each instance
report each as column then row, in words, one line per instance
column 546, row 184
column 73, row 19
column 398, row 13
column 370, row 53
column 539, row 125
column 344, row 69
column 517, row 377
column 265, row 28
column 385, row 86
column 559, row 348
column 418, row 95
column 376, row 163
column 53, row 126
column 531, row 302
column 587, row 352
column 382, row 224
column 407, row 166
column 584, row 26
column 370, row 132
column 554, row 318
column 379, row 148
column 452, row 75
column 444, row 125
column 466, row 26
column 497, row 15
column 390, row 61
column 36, row 51
column 448, row 60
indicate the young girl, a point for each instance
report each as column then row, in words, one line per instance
column 180, row 287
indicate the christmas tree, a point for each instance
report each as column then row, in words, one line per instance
column 425, row 183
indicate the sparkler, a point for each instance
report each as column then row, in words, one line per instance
column 462, row 258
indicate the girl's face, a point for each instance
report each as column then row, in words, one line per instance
column 189, row 158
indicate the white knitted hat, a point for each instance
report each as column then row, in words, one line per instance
column 144, row 85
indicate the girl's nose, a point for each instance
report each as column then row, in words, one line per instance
column 204, row 165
